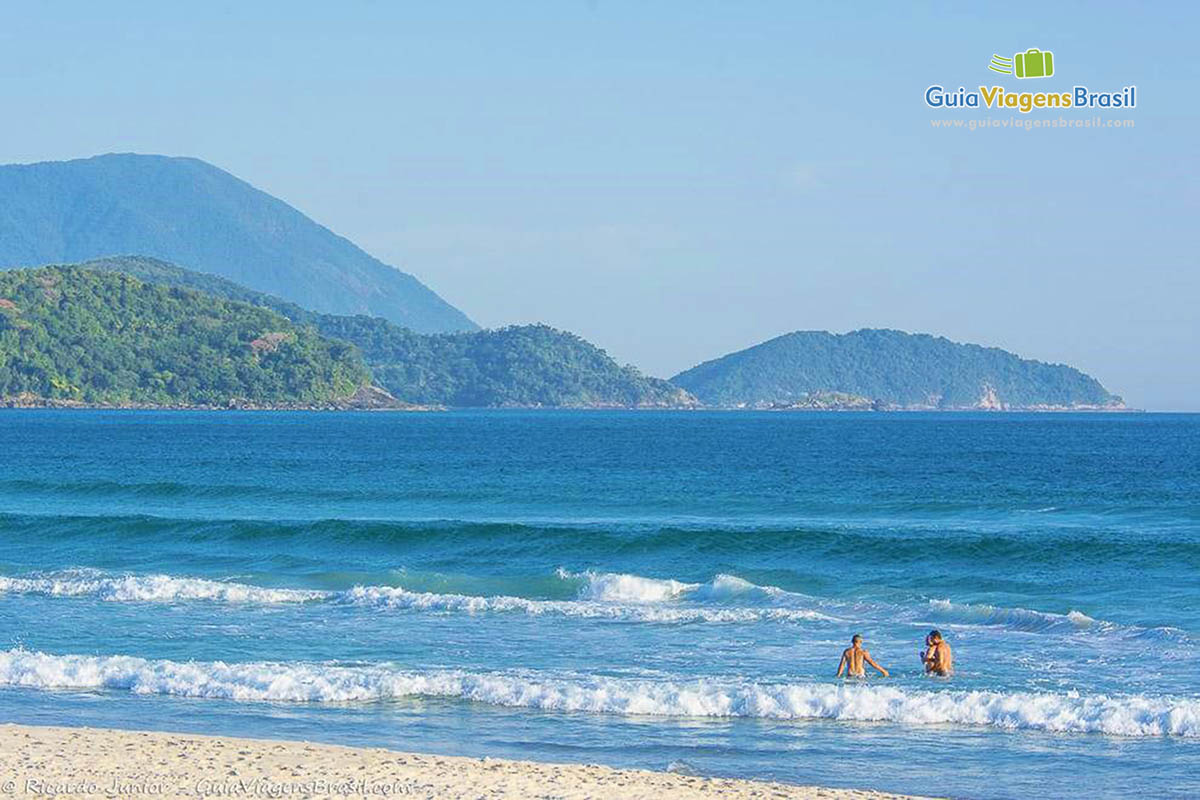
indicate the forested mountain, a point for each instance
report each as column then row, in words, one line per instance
column 892, row 368
column 521, row 365
column 194, row 214
column 69, row 334
column 530, row 365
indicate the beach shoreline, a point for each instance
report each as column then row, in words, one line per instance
column 39, row 761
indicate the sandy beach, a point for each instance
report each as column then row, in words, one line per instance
column 79, row 762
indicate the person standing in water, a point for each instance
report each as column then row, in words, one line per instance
column 853, row 658
column 938, row 658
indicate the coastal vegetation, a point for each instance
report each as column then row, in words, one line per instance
column 521, row 365
column 74, row 335
column 136, row 329
column 893, row 369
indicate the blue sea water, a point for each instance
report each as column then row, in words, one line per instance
column 660, row 590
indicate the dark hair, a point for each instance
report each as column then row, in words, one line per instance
column 935, row 634
column 856, row 637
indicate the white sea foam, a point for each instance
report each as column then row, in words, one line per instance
column 150, row 588
column 1132, row 715
column 623, row 588
column 731, row 587
column 608, row 605
column 393, row 597
column 599, row 595
column 1031, row 621
column 1017, row 618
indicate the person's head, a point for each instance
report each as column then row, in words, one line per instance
column 935, row 636
column 856, row 639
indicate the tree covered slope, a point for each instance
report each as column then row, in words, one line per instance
column 77, row 335
column 196, row 215
column 521, row 365
column 890, row 367
column 530, row 365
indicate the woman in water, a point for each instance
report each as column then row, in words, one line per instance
column 937, row 657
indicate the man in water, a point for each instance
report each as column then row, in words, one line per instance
column 853, row 658
column 937, row 656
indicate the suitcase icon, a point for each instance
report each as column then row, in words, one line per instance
column 1034, row 63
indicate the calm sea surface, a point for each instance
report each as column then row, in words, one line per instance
column 661, row 590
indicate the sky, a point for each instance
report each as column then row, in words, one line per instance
column 677, row 180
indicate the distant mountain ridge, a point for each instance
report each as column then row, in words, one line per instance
column 891, row 369
column 191, row 213
column 525, row 365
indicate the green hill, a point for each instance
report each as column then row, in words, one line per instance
column 892, row 368
column 74, row 335
column 521, row 365
column 193, row 214
column 530, row 365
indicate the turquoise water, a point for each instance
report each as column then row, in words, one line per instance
column 662, row 590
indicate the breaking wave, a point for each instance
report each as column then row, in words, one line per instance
column 1023, row 619
column 616, row 597
column 150, row 588
column 1132, row 715
column 596, row 595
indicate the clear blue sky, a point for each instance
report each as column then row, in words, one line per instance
column 677, row 180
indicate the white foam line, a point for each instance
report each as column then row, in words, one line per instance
column 615, row 596
column 168, row 589
column 1132, row 715
column 151, row 589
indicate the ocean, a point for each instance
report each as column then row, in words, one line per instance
column 668, row 590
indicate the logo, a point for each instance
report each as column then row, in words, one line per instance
column 1033, row 63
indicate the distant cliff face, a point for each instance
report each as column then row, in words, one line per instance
column 891, row 368
column 193, row 214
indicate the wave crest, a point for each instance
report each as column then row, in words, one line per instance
column 1133, row 715
column 623, row 588
column 597, row 601
column 151, row 588
column 598, row 595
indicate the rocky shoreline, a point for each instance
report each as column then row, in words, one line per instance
column 368, row 398
column 373, row 398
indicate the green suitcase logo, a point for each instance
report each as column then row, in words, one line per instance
column 1033, row 63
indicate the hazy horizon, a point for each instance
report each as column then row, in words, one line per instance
column 679, row 182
